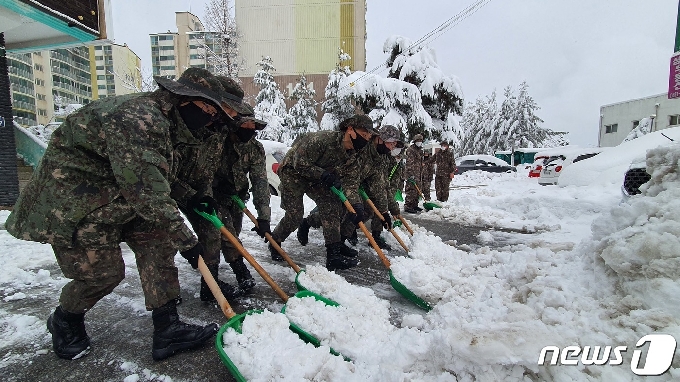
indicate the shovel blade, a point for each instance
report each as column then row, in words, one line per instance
column 235, row 323
column 399, row 287
column 300, row 287
column 429, row 206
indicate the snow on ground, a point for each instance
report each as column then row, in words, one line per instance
column 569, row 266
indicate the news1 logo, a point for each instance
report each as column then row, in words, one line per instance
column 658, row 360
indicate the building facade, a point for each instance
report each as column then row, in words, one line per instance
column 45, row 82
column 301, row 37
column 618, row 119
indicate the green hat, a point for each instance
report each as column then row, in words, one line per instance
column 389, row 133
column 234, row 92
column 359, row 121
column 196, row 82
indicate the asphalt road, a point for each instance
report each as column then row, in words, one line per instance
column 121, row 331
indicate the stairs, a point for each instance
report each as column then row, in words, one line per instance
column 24, row 171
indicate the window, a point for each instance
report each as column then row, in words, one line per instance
column 584, row 156
column 38, row 67
column 41, row 97
column 39, row 82
column 100, row 67
column 674, row 120
column 42, row 112
column 98, row 47
column 611, row 128
column 101, row 87
column 100, row 77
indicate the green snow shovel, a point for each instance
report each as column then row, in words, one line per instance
column 273, row 242
column 381, row 217
column 399, row 287
column 428, row 205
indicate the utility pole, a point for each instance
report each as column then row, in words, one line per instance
column 677, row 31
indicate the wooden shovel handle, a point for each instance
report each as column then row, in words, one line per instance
column 215, row 289
column 368, row 235
column 274, row 243
column 403, row 221
column 254, row 263
column 380, row 215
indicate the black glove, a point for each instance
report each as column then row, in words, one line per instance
column 192, row 254
column 387, row 223
column 329, row 179
column 204, row 204
column 262, row 227
column 359, row 213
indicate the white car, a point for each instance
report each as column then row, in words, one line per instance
column 558, row 160
column 275, row 151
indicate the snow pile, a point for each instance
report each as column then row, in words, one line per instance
column 44, row 133
column 640, row 240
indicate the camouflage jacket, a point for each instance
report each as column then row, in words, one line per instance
column 373, row 176
column 415, row 164
column 394, row 170
column 197, row 165
column 314, row 153
column 446, row 163
column 115, row 149
column 239, row 163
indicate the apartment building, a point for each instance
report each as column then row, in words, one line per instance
column 173, row 52
column 115, row 69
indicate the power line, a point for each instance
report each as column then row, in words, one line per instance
column 431, row 36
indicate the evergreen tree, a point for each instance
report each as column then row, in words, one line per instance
column 271, row 106
column 479, row 122
column 336, row 108
column 302, row 116
column 441, row 94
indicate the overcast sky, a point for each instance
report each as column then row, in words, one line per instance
column 576, row 55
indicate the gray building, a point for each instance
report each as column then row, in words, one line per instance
column 618, row 119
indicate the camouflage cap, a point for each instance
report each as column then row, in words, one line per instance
column 195, row 82
column 418, row 137
column 389, row 133
column 234, row 100
column 444, row 143
column 359, row 121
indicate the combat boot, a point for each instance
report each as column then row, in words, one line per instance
column 411, row 210
column 381, row 241
column 276, row 256
column 335, row 260
column 303, row 232
column 228, row 291
column 354, row 239
column 171, row 335
column 243, row 277
column 69, row 339
column 347, row 251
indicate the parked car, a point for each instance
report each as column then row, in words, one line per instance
column 274, row 151
column 482, row 162
column 553, row 166
column 637, row 175
column 537, row 166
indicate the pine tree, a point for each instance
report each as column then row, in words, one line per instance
column 336, row 108
column 271, row 106
column 302, row 116
column 441, row 94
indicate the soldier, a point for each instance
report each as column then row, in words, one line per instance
column 243, row 159
column 105, row 178
column 373, row 179
column 316, row 162
column 414, row 173
column 428, row 173
column 446, row 167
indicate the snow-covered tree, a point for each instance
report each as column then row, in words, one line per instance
column 220, row 44
column 441, row 94
column 336, row 109
column 271, row 106
column 643, row 128
column 302, row 115
column 489, row 128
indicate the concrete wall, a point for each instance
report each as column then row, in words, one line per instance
column 625, row 113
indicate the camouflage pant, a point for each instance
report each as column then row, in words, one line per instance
column 208, row 235
column 232, row 217
column 427, row 184
column 347, row 227
column 331, row 210
column 411, row 197
column 95, row 262
column 441, row 185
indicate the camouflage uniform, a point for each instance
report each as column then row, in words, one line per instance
column 393, row 171
column 414, row 170
column 446, row 165
column 428, row 173
column 300, row 173
column 105, row 178
column 240, row 162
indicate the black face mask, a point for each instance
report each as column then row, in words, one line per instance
column 359, row 142
column 244, row 135
column 383, row 150
column 193, row 116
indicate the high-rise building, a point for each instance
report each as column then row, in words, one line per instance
column 301, row 37
column 44, row 82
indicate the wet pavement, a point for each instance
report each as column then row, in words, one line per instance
column 120, row 329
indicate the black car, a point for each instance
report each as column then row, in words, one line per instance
column 481, row 164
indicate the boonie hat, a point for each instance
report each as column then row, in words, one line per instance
column 235, row 92
column 359, row 121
